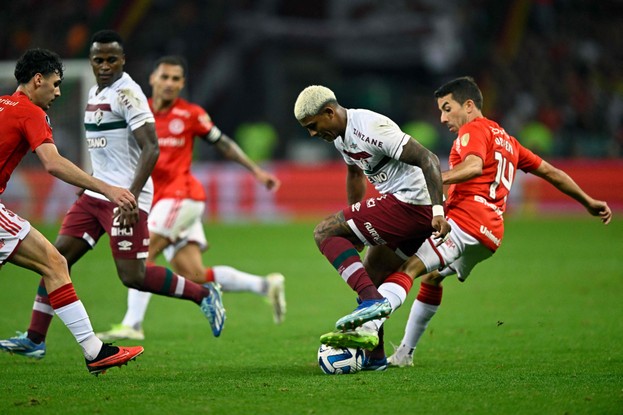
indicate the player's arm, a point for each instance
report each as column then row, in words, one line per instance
column 356, row 184
column 416, row 154
column 467, row 169
column 59, row 166
column 147, row 140
column 563, row 182
column 233, row 152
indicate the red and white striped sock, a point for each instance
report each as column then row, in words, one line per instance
column 70, row 310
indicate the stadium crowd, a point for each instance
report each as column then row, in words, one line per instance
column 551, row 69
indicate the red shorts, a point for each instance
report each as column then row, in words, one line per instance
column 386, row 220
column 88, row 219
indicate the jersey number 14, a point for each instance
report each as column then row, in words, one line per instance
column 504, row 174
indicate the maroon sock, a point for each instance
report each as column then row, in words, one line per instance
column 342, row 254
column 379, row 351
column 163, row 281
column 41, row 316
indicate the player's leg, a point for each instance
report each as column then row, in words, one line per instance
column 131, row 326
column 383, row 221
column 185, row 257
column 459, row 255
column 422, row 311
column 162, row 281
column 340, row 244
column 78, row 234
column 380, row 261
column 38, row 254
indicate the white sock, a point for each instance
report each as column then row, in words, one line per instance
column 396, row 296
column 394, row 293
column 232, row 279
column 137, row 307
column 75, row 317
column 419, row 317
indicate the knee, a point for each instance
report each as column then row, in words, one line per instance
column 320, row 233
column 413, row 267
column 56, row 267
column 433, row 278
column 131, row 278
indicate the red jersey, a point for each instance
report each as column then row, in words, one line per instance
column 176, row 129
column 478, row 204
column 23, row 126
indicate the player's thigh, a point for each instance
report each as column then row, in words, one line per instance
column 380, row 261
column 36, row 253
column 386, row 220
column 171, row 218
column 71, row 248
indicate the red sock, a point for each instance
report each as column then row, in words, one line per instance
column 430, row 294
column 63, row 296
column 345, row 259
column 209, row 275
column 402, row 279
column 41, row 317
column 163, row 281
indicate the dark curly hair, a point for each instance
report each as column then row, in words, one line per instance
column 107, row 36
column 35, row 61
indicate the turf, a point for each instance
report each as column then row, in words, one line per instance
column 535, row 330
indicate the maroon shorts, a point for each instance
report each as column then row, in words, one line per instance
column 386, row 220
column 88, row 219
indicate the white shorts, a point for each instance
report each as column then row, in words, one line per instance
column 178, row 220
column 13, row 230
column 458, row 255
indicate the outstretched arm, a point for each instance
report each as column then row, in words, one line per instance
column 59, row 166
column 563, row 182
column 233, row 152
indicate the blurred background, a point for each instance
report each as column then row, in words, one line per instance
column 551, row 71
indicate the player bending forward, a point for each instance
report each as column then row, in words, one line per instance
column 483, row 162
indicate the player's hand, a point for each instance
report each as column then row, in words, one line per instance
column 442, row 230
column 123, row 198
column 126, row 218
column 600, row 209
column 269, row 181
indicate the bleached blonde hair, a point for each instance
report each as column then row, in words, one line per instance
column 311, row 100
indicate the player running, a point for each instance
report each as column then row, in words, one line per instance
column 23, row 126
column 175, row 225
column 124, row 148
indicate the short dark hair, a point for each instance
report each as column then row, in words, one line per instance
column 35, row 61
column 172, row 60
column 107, row 36
column 462, row 89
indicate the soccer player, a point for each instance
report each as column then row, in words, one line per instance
column 483, row 162
column 23, row 126
column 124, row 148
column 394, row 225
column 175, row 225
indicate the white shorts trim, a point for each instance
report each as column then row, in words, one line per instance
column 458, row 255
column 13, row 230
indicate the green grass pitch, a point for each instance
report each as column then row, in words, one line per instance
column 537, row 329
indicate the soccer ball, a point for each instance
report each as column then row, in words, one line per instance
column 339, row 361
